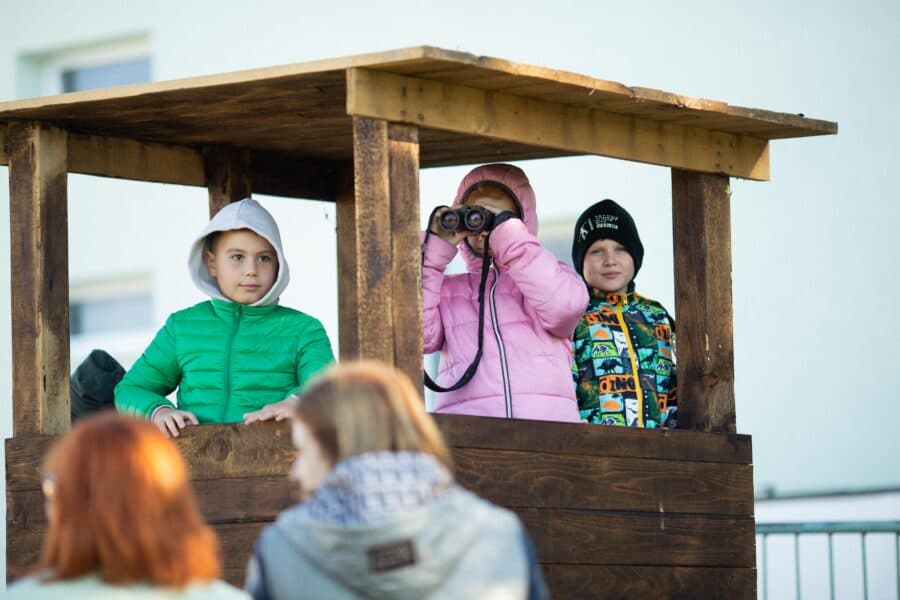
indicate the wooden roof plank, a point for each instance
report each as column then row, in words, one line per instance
column 275, row 108
column 467, row 110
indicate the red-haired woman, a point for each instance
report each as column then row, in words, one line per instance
column 122, row 519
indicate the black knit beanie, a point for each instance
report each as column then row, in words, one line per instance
column 606, row 220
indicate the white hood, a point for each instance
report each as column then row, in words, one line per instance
column 244, row 214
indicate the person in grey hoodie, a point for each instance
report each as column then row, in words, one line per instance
column 382, row 516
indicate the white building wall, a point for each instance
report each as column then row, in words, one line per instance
column 815, row 268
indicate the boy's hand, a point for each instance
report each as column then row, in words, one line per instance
column 279, row 411
column 171, row 421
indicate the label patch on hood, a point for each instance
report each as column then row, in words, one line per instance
column 387, row 557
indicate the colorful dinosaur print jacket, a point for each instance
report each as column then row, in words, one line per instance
column 624, row 366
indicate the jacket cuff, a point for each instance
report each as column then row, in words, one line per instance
column 437, row 251
column 506, row 233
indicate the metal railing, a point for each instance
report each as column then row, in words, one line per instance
column 829, row 529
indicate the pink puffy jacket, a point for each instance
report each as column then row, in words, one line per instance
column 533, row 303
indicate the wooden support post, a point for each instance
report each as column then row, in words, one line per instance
column 228, row 176
column 365, row 254
column 347, row 264
column 38, row 225
column 403, row 148
column 701, row 216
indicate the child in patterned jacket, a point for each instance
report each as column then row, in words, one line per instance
column 624, row 366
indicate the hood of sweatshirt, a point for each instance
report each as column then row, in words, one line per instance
column 386, row 525
column 244, row 214
column 516, row 183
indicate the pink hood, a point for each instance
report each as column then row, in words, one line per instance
column 514, row 179
column 533, row 303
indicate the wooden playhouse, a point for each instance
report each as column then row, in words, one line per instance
column 613, row 512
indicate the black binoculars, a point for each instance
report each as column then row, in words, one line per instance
column 466, row 218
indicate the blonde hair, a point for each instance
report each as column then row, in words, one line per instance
column 368, row 406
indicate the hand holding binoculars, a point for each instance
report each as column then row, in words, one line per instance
column 466, row 219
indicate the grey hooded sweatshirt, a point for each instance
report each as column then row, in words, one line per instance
column 394, row 525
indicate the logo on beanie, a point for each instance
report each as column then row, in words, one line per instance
column 598, row 222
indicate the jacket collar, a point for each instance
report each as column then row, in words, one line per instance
column 227, row 308
column 615, row 298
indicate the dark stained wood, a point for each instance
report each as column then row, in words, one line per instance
column 23, row 550
column 581, row 438
column 24, row 461
column 701, row 224
column 347, row 266
column 225, row 500
column 573, row 536
column 573, row 582
column 521, row 478
column 38, row 222
column 406, row 301
column 273, row 173
column 237, row 450
column 265, row 449
column 373, row 296
column 280, row 174
column 228, row 176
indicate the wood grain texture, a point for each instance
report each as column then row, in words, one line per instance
column 406, row 253
column 701, row 224
column 574, row 582
column 374, row 246
column 532, row 479
column 593, row 440
column 265, row 449
column 123, row 158
column 212, row 452
column 579, row 537
column 347, row 265
column 228, row 176
column 38, row 221
column 574, row 129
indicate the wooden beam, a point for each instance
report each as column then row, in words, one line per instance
column 463, row 431
column 365, row 255
column 701, row 218
column 38, row 221
column 4, row 159
column 620, row 581
column 406, row 270
column 467, row 110
column 124, row 158
column 347, row 265
column 228, row 176
column 273, row 173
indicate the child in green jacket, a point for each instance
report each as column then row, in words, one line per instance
column 239, row 355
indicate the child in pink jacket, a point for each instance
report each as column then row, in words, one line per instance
column 533, row 303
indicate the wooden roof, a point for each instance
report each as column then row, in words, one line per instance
column 302, row 109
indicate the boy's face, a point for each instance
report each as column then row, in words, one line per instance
column 496, row 204
column 608, row 266
column 244, row 264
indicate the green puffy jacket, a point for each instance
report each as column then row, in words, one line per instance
column 225, row 359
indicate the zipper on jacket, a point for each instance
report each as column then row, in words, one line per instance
column 235, row 321
column 504, row 370
column 635, row 374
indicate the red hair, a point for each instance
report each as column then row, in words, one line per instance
column 121, row 506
